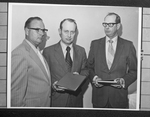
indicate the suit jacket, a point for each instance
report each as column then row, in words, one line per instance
column 30, row 83
column 124, row 66
column 58, row 68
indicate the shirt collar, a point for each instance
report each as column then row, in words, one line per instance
column 32, row 46
column 64, row 46
column 114, row 39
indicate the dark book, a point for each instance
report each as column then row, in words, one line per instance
column 107, row 82
column 71, row 81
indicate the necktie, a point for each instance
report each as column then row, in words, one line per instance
column 68, row 59
column 111, row 54
column 69, row 65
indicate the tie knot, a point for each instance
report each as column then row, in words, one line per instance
column 110, row 41
column 68, row 48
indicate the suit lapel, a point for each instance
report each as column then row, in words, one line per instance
column 36, row 59
column 102, row 53
column 60, row 57
column 76, row 55
column 47, row 67
column 118, row 53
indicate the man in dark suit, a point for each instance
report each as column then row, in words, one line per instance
column 30, row 76
column 112, row 58
column 57, row 58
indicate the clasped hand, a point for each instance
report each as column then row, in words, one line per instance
column 119, row 82
column 96, row 82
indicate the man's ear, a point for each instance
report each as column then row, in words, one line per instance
column 26, row 31
column 59, row 31
column 118, row 26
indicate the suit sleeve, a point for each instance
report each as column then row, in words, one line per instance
column 91, row 62
column 19, row 80
column 47, row 58
column 46, row 55
column 131, row 74
column 84, row 67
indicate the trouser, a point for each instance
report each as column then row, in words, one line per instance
column 108, row 105
column 73, row 102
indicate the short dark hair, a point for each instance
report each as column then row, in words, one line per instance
column 118, row 19
column 29, row 20
column 68, row 19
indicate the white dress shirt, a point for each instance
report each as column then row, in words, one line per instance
column 63, row 46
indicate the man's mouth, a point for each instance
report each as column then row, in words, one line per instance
column 68, row 39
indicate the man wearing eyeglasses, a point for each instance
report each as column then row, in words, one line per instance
column 113, row 66
column 64, row 57
column 30, row 76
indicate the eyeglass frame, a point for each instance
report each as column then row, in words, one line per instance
column 39, row 29
column 109, row 24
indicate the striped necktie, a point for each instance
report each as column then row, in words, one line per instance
column 111, row 54
column 68, row 59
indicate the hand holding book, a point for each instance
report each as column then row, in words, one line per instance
column 71, row 81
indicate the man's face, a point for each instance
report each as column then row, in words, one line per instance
column 67, row 32
column 34, row 32
column 111, row 32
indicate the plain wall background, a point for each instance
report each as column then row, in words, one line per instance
column 89, row 20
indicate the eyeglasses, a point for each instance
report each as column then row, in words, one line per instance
column 39, row 29
column 109, row 24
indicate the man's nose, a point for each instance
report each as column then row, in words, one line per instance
column 41, row 32
column 106, row 26
column 69, row 34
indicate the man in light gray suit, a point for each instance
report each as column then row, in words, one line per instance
column 30, row 76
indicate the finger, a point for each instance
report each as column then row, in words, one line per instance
column 97, row 81
column 58, row 88
column 118, row 86
column 98, row 85
column 61, row 87
column 117, row 79
column 75, row 73
column 55, row 83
